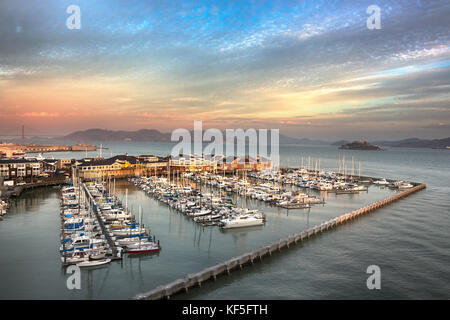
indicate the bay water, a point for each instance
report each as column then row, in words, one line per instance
column 409, row 240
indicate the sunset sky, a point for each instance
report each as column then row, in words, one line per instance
column 310, row 68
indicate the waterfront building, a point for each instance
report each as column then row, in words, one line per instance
column 100, row 168
column 44, row 148
column 20, row 168
column 192, row 163
column 49, row 165
column 12, row 149
column 211, row 163
column 121, row 166
column 125, row 166
column 63, row 164
column 83, row 147
column 149, row 158
column 233, row 163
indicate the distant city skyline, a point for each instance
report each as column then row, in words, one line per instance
column 309, row 68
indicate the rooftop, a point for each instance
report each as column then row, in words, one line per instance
column 21, row 160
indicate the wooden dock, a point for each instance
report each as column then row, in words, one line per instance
column 44, row 182
column 247, row 259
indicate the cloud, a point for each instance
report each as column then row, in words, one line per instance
column 258, row 63
column 38, row 115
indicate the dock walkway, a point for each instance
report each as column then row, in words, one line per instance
column 45, row 182
column 116, row 252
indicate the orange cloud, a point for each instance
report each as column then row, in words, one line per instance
column 38, row 114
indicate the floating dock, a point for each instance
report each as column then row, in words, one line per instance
column 246, row 259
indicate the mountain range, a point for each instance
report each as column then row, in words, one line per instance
column 92, row 135
column 152, row 135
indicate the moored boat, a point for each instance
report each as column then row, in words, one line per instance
column 242, row 221
column 93, row 263
column 145, row 248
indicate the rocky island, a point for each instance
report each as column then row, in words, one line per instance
column 360, row 145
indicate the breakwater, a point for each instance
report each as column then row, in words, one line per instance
column 247, row 259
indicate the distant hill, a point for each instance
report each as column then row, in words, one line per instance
column 152, row 135
column 301, row 141
column 416, row 143
column 109, row 135
column 340, row 143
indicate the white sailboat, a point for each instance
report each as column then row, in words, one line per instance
column 381, row 182
column 93, row 263
column 143, row 247
column 241, row 221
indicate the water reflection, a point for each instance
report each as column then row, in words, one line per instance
column 240, row 237
column 99, row 275
column 143, row 256
column 31, row 200
column 187, row 247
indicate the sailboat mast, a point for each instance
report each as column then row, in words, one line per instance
column 126, row 200
column 353, row 167
column 319, row 168
column 359, row 170
column 140, row 225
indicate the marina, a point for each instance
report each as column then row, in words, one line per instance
column 225, row 151
column 97, row 229
column 204, row 208
column 271, row 192
column 211, row 273
column 210, row 209
column 207, row 197
column 186, row 237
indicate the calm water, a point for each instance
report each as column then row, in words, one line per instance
column 408, row 240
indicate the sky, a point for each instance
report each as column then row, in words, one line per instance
column 309, row 68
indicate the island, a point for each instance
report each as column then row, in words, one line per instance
column 360, row 145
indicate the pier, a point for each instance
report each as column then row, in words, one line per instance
column 247, row 259
column 16, row 191
column 116, row 252
column 44, row 182
column 83, row 205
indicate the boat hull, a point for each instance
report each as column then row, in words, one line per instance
column 243, row 225
column 144, row 250
column 93, row 263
